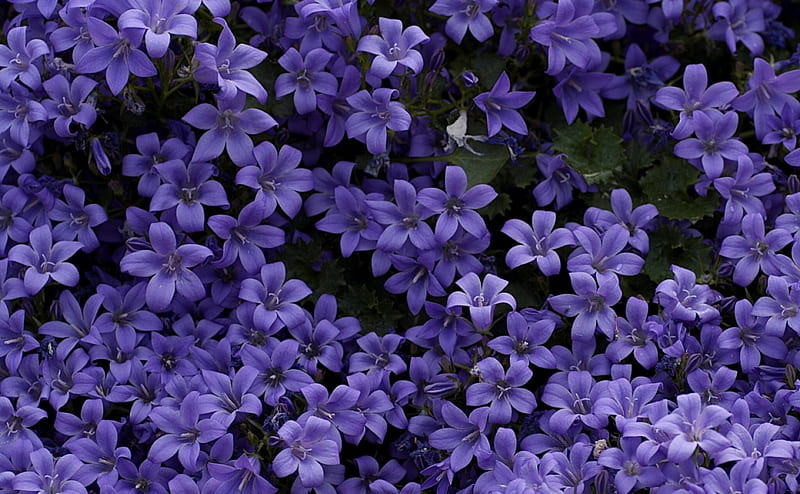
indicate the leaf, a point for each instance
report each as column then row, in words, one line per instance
column 669, row 245
column 667, row 186
column 500, row 205
column 595, row 153
column 488, row 68
column 480, row 169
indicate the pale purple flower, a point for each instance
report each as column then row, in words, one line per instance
column 20, row 59
column 306, row 449
column 782, row 306
column 603, row 256
column 466, row 14
column 481, row 298
column 715, row 141
column 538, row 242
column 152, row 152
column 305, row 78
column 738, row 20
column 575, row 398
column 464, row 437
column 353, row 220
column 525, row 341
column 559, row 181
column 20, row 115
column 691, row 426
column 64, row 475
column 77, row 220
column 373, row 114
column 591, row 304
column 768, row 94
column 502, row 389
column 405, row 220
column 187, row 189
column 243, row 475
column 634, row 462
column 159, row 19
column 685, row 300
column 744, row 191
column 755, row 250
column 501, row 104
column 751, row 337
column 622, row 212
column 379, row 355
column 274, row 375
column 394, row 48
column 275, row 297
column 46, row 260
column 245, row 237
column 635, row 333
column 68, row 103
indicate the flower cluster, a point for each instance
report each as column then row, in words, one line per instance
column 363, row 247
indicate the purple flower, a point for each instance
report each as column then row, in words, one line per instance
column 184, row 432
column 373, row 114
column 245, row 237
column 738, row 20
column 152, row 152
column 695, row 98
column 575, row 399
column 15, row 424
column 16, row 340
column 20, row 114
column 578, row 88
column 372, row 480
column 336, row 408
column 714, row 141
column 405, row 220
column 306, row 449
column 782, row 306
column 336, row 106
column 275, row 298
column 64, row 475
column 379, row 355
column 228, row 127
column 276, row 178
column 306, row 78
column 394, row 48
column 76, row 219
column 158, row 19
column 167, row 265
column 538, row 242
column 642, row 78
column 744, row 191
column 768, row 94
column 684, row 300
column 117, row 53
column 20, row 59
column 352, row 219
column 603, row 256
column 784, row 130
column 100, row 453
column 465, row 438
column 501, row 104
column 635, row 220
column 275, row 375
column 502, row 389
column 591, row 304
column 559, row 181
column 525, row 341
column 691, row 426
column 754, row 250
column 417, row 278
column 634, row 462
column 243, row 475
column 481, row 298
column 46, row 260
column 635, row 334
column 568, row 33
column 463, row 15
column 225, row 64
column 751, row 337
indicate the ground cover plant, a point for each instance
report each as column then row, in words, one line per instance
column 459, row 246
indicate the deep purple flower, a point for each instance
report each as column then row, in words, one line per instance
column 152, row 152
column 783, row 130
column 744, row 191
column 405, row 221
column 738, row 20
column 559, row 181
column 525, row 341
column 635, row 220
column 714, row 141
column 464, row 437
column 14, row 338
column 336, row 408
column 754, row 250
column 379, row 355
column 768, row 94
column 591, row 304
column 318, row 345
column 691, row 426
column 64, row 475
column 642, row 78
column 580, row 89
column 76, row 219
column 117, row 53
column 243, row 475
column 306, row 449
column 168, row 267
column 100, row 453
column 782, row 306
column 20, row 59
column 446, row 327
column 158, row 19
column 227, row 127
column 78, row 323
column 502, row 389
column 481, row 298
column 416, row 278
column 456, row 205
column 634, row 334
column 274, row 297
column 373, row 114
column 337, row 107
column 15, row 424
column 501, row 104
column 20, row 114
column 751, row 338
column 225, row 64
column 277, row 178
column 463, row 15
column 274, row 374
column 684, row 300
column 697, row 96
column 306, row 78
column 184, row 432
column 46, row 260
column 394, row 48
column 634, row 463
column 538, row 242
column 372, row 479
column 245, row 237
column 603, row 256
column 352, row 219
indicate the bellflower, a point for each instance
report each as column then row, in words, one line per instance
column 481, row 298
column 502, row 390
column 575, row 400
column 642, row 78
column 754, row 250
column 634, row 463
column 100, row 453
column 751, row 338
column 465, row 437
column 274, row 297
column 64, row 475
column 691, row 426
column 225, row 64
column 20, row 59
column 635, row 220
column 634, row 334
column 352, row 219
column 738, row 20
column 744, row 191
column 714, row 141
column 46, row 260
column 591, row 304
column 417, row 278
column 501, row 104
column 274, row 374
column 782, row 306
column 373, row 114
column 538, row 242
column 227, row 127
column 243, row 475
column 306, row 449
column 394, row 48
column 306, row 78
column 463, row 15
column 405, row 221
column 684, row 300
column 245, row 237
column 783, row 130
column 603, row 257
column 20, row 115
column 559, row 181
column 168, row 267
column 158, row 19
column 76, row 219
column 768, row 94
column 577, row 88
column 152, row 152
column 525, row 341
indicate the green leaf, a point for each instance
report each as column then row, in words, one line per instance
column 479, row 169
column 488, row 68
column 667, row 186
column 668, row 246
column 595, row 153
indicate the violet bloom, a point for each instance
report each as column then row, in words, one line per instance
column 373, row 114
column 373, row 479
column 684, row 300
column 46, row 260
column 76, row 219
column 568, row 34
column 416, row 278
column 225, row 64
column 635, row 334
column 20, row 115
column 691, row 426
column 578, row 88
column 15, row 339
column 277, row 178
column 538, row 242
column 715, row 141
column 466, row 14
column 306, row 449
column 768, row 94
column 744, row 191
column 20, row 59
column 274, row 297
column 575, row 400
column 336, row 408
column 738, row 20
column 245, row 237
column 184, row 431
column 782, row 306
column 336, row 106
column 635, row 220
column 559, row 181
column 591, row 304
column 465, row 438
column 481, row 298
column 100, row 453
column 64, row 475
column 352, row 219
column 501, row 104
column 525, row 341
column 306, row 78
column 379, row 355
column 243, row 475
column 168, row 267
column 274, row 374
column 754, row 250
column 394, row 48
column 187, row 189
column 634, row 462
column 502, row 389
column 456, row 205
column 117, row 53
column 158, row 19
column 405, row 220
column 642, row 78
column 228, row 127
column 751, row 337
column 697, row 96
column 152, row 152
column 604, row 256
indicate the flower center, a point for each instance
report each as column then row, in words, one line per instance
column 188, row 194
column 173, row 263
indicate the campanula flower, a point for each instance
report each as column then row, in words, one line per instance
column 501, row 104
